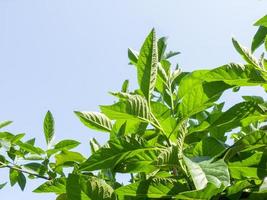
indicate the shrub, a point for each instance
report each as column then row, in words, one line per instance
column 169, row 135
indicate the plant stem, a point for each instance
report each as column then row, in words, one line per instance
column 23, row 171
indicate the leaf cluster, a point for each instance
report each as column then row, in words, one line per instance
column 169, row 135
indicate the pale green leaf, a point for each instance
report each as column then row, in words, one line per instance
column 206, row 171
column 66, row 157
column 95, row 120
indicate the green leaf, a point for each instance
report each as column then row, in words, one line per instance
column 208, row 146
column 164, row 117
column 118, row 152
column 63, row 145
column 94, row 145
column 248, row 166
column 67, row 144
column 259, row 38
column 262, row 21
column 96, row 188
column 66, row 157
column 236, row 189
column 147, row 65
column 246, row 54
column 204, row 194
column 95, row 120
column 201, row 97
column 13, row 176
column 206, row 171
column 162, row 45
column 200, row 89
column 30, row 148
column 73, row 187
column 4, row 123
column 153, row 188
column 133, row 56
column 234, row 117
column 251, row 141
column 21, row 180
column 125, row 86
column 236, row 75
column 134, row 107
column 57, row 186
column 48, row 127
column 171, row 54
column 2, row 185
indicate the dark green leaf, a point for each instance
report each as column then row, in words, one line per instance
column 259, row 38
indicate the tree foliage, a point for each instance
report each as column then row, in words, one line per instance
column 169, row 134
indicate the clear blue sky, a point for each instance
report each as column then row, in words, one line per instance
column 65, row 55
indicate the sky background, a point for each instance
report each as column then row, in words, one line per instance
column 64, row 55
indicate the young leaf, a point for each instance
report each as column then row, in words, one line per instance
column 259, row 38
column 4, row 123
column 246, row 54
column 262, row 21
column 147, row 65
column 2, row 185
column 95, row 120
column 94, row 145
column 133, row 56
column 162, row 45
column 49, row 127
column 125, row 86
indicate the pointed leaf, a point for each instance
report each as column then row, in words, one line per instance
column 147, row 65
column 49, row 127
column 245, row 53
column 4, row 123
column 120, row 150
column 259, row 38
column 95, row 120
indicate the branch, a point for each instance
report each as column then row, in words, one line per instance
column 23, row 171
